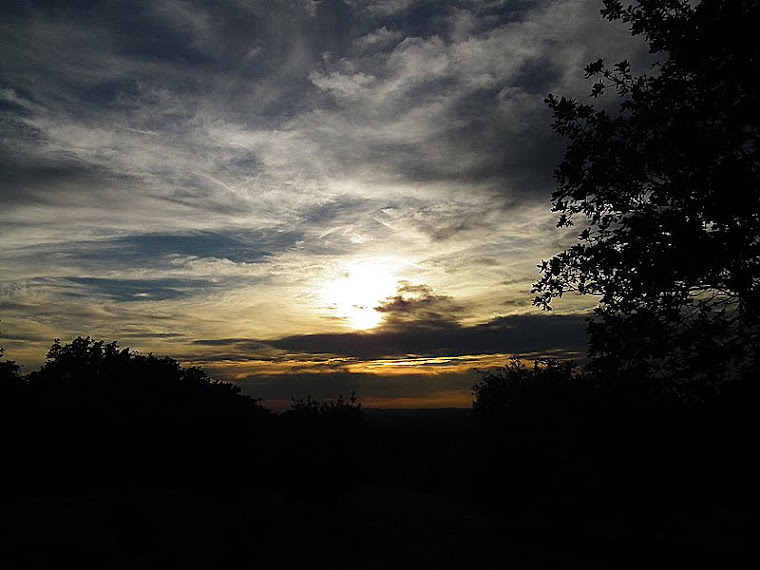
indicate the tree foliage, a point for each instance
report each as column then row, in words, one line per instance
column 666, row 191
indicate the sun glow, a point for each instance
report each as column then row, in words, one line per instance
column 357, row 289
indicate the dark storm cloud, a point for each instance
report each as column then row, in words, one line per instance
column 217, row 36
column 24, row 178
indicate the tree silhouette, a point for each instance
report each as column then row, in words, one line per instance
column 10, row 378
column 666, row 190
column 9, row 370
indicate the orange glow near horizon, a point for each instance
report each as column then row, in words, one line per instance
column 237, row 370
column 432, row 382
column 436, row 400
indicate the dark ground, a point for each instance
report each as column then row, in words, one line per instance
column 414, row 504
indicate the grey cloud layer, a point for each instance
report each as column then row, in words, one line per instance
column 526, row 334
column 424, row 337
column 266, row 108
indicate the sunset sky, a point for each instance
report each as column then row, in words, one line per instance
column 304, row 197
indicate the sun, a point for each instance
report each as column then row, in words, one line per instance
column 356, row 290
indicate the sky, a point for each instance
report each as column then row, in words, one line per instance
column 302, row 197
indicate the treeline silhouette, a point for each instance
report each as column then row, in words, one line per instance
column 603, row 472
column 96, row 414
column 633, row 451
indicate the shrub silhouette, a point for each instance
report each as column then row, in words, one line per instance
column 10, row 373
column 567, row 445
column 321, row 444
column 504, row 392
column 533, row 438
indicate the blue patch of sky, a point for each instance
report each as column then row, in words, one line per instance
column 338, row 211
column 139, row 289
column 144, row 249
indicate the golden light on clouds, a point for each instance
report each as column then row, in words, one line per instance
column 357, row 289
column 239, row 370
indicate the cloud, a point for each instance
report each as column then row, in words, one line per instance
column 516, row 334
column 417, row 323
column 174, row 171
column 208, row 111
column 417, row 306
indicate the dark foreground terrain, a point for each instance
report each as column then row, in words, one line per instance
column 413, row 504
column 117, row 460
column 370, row 527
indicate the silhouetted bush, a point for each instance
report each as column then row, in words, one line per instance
column 319, row 444
column 95, row 414
column 533, row 427
column 570, row 445
column 504, row 392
